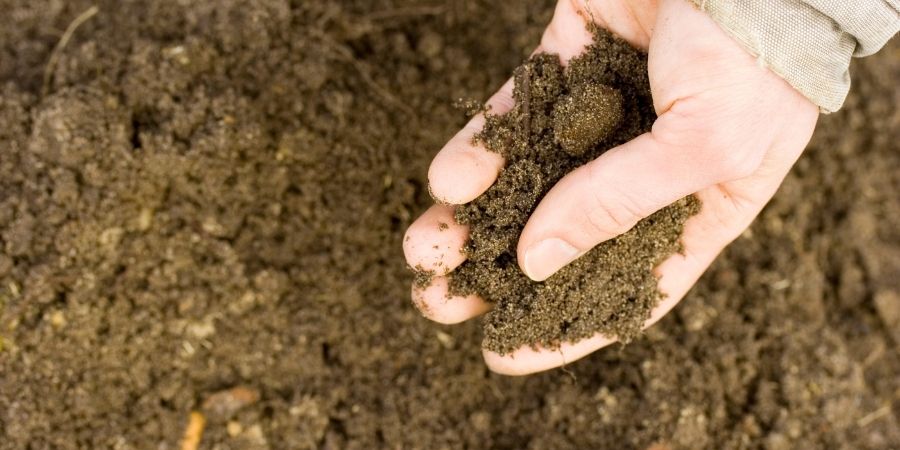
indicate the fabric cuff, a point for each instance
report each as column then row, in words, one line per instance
column 808, row 43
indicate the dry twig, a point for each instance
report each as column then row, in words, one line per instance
column 873, row 416
column 63, row 41
column 194, row 431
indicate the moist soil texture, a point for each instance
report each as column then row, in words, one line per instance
column 563, row 118
column 202, row 219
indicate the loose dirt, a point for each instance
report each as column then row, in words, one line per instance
column 212, row 195
column 563, row 118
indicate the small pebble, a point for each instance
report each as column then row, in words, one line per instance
column 234, row 428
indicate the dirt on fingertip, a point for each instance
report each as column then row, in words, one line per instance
column 564, row 117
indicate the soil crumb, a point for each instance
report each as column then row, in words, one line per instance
column 563, row 118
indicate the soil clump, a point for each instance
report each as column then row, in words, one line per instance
column 563, row 118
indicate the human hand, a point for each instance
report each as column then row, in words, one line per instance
column 728, row 130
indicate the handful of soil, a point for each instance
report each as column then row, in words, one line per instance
column 563, row 118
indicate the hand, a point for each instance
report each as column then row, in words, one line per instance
column 728, row 130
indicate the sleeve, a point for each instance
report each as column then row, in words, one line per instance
column 809, row 43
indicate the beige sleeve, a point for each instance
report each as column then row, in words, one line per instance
column 809, row 43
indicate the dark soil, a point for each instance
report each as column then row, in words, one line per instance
column 562, row 119
column 205, row 213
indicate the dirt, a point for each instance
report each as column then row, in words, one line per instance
column 211, row 198
column 563, row 118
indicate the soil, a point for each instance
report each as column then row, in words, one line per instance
column 563, row 118
column 203, row 218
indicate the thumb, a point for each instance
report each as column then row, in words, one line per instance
column 608, row 196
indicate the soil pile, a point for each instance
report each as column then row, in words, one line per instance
column 206, row 212
column 563, row 118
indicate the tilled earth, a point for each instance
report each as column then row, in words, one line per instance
column 203, row 212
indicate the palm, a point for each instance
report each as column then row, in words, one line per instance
column 713, row 120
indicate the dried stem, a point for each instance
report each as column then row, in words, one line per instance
column 63, row 41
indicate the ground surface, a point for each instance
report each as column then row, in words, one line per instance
column 212, row 196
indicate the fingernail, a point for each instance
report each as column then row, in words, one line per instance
column 546, row 257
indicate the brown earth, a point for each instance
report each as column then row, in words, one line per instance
column 205, row 213
column 563, row 118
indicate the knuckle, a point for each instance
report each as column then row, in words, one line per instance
column 552, row 36
column 611, row 212
column 500, row 102
column 609, row 221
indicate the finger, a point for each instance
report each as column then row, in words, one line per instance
column 567, row 34
column 463, row 170
column 435, row 303
column 632, row 21
column 434, row 242
column 527, row 360
column 605, row 198
column 705, row 235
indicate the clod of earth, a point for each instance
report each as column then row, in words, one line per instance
column 586, row 116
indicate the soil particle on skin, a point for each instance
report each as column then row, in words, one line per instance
column 422, row 277
column 564, row 117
